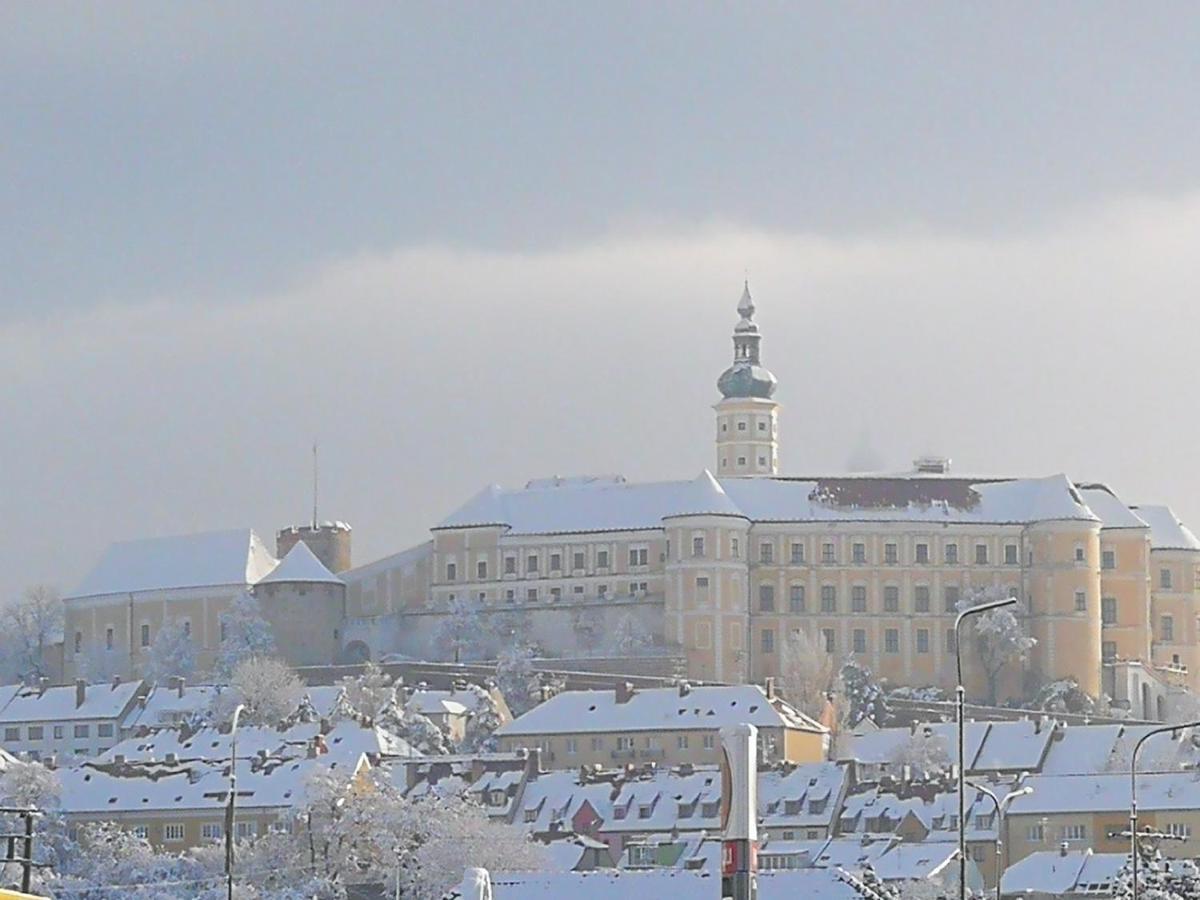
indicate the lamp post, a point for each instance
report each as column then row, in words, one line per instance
column 1001, row 806
column 237, row 714
column 960, row 697
column 1133, row 816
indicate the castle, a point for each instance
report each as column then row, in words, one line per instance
column 724, row 567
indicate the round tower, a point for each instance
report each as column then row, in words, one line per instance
column 747, row 417
column 329, row 542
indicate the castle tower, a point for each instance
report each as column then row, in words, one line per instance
column 747, row 417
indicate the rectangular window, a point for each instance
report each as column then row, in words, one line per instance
column 602, row 559
column 891, row 598
column 1080, row 554
column 1179, row 829
column 108, row 638
column 212, row 831
column 891, row 640
column 1164, row 578
column 828, row 598
column 951, row 643
column 797, row 554
column 531, row 563
column 1108, row 559
column 510, row 565
column 1168, row 628
column 768, row 640
column 555, row 562
column 951, row 554
column 922, row 640
column 141, row 831
column 572, row 745
column 698, row 546
column 1010, row 554
column 145, row 635
column 766, row 598
column 246, row 829
column 766, row 552
column 828, row 639
column 82, row 731
column 1074, row 832
column 710, row 741
column 12, row 734
column 104, row 729
column 531, row 595
column 36, row 732
column 922, row 554
column 796, row 598
column 1081, row 601
column 187, row 628
column 577, row 561
column 1036, row 833
column 827, row 555
column 951, row 596
column 891, row 554
column 78, row 641
column 597, row 743
column 58, row 732
column 859, row 553
column 510, row 596
column 1108, row 650
column 481, row 570
column 451, row 571
column 858, row 598
column 921, row 598
column 981, row 554
column 1108, row 610
column 638, row 557
column 859, row 638
column 735, row 548
column 702, row 582
column 555, row 594
column 681, row 742
column 173, row 832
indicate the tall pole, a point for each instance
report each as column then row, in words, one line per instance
column 739, row 812
column 1133, row 815
column 229, row 813
column 1001, row 806
column 960, row 697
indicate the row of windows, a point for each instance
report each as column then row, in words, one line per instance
column 639, row 557
column 859, row 642
column 555, row 594
column 12, row 733
column 797, row 600
column 599, row 744
column 145, row 635
column 892, row 555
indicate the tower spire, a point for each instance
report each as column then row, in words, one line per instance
column 746, row 416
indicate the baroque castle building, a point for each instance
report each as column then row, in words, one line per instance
column 724, row 568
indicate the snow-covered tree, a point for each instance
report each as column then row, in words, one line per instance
column 1064, row 696
column 31, row 624
column 1159, row 878
column 33, row 786
column 268, row 689
column 517, row 680
column 483, row 722
column 806, row 673
column 925, row 752
column 999, row 637
column 245, row 634
column 864, row 697
column 172, row 653
column 460, row 635
column 630, row 636
column 368, row 694
column 370, row 697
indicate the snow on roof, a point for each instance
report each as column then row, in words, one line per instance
column 396, row 560
column 915, row 861
column 1166, row 531
column 604, row 884
column 574, row 507
column 300, row 564
column 430, row 702
column 324, row 698
column 883, row 746
column 236, row 557
column 1108, row 793
column 1108, row 507
column 573, row 712
column 1053, row 872
column 100, row 701
column 164, row 705
column 1014, row 746
column 1081, row 750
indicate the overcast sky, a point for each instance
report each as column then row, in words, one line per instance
column 462, row 244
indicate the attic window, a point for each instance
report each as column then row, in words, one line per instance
column 754, row 708
column 112, row 799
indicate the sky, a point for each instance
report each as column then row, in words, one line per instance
column 459, row 244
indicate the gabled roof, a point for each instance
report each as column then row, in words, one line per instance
column 1107, row 793
column 1166, row 531
column 101, row 701
column 1054, row 872
column 705, row 707
column 300, row 565
column 236, row 557
column 581, row 506
column 1112, row 512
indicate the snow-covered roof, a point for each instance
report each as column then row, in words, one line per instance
column 1166, row 531
column 57, row 704
column 1081, row 750
column 401, row 560
column 300, row 565
column 169, row 705
column 236, row 557
column 658, row 709
column 1054, row 872
column 575, row 507
column 429, row 702
column 1108, row 793
column 1112, row 512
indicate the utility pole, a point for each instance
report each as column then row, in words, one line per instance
column 739, row 813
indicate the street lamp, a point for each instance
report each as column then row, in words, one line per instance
column 1133, row 816
column 1001, row 806
column 237, row 714
column 960, row 697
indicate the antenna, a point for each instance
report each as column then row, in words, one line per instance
column 314, row 517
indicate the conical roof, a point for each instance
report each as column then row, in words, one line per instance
column 301, row 564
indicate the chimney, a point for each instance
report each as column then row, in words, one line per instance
column 1064, row 848
column 684, row 689
column 80, row 692
column 116, row 682
column 317, row 747
column 51, row 761
column 119, row 759
column 42, row 684
column 533, row 763
column 172, row 759
column 624, row 692
column 180, row 683
column 769, row 687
